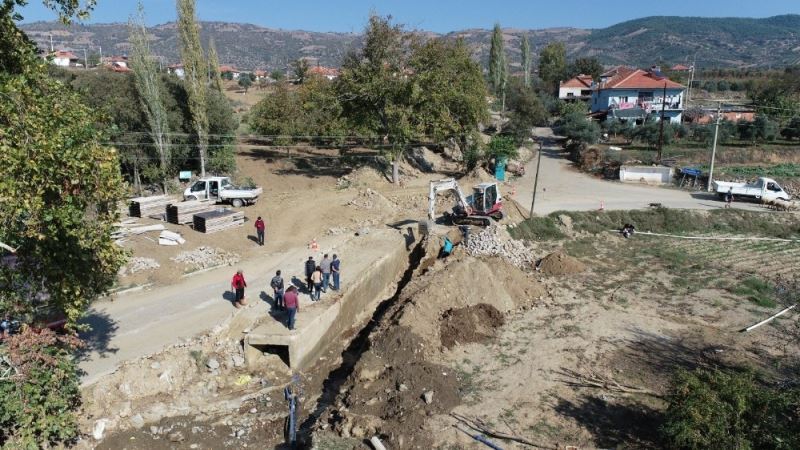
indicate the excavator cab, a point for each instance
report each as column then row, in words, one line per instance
column 486, row 200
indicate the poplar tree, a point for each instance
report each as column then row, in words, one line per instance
column 498, row 68
column 526, row 59
column 148, row 85
column 213, row 65
column 195, row 74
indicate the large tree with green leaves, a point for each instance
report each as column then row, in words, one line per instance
column 195, row 74
column 553, row 65
column 148, row 85
column 498, row 65
column 58, row 192
column 213, row 65
column 374, row 88
column 525, row 48
column 585, row 66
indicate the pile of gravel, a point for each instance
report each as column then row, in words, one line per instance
column 203, row 257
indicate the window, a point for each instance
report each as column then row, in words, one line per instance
column 200, row 186
column 646, row 96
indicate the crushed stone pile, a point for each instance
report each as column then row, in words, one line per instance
column 559, row 263
column 495, row 241
column 203, row 257
column 138, row 264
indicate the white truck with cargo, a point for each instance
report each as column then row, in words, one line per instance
column 221, row 190
column 764, row 189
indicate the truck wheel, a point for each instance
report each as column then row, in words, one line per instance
column 190, row 198
column 498, row 216
column 237, row 203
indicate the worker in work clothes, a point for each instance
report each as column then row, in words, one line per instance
column 260, row 230
column 237, row 285
column 325, row 265
column 316, row 278
column 729, row 198
column 335, row 267
column 311, row 265
column 292, row 303
column 277, row 290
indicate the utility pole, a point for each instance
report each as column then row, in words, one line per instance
column 661, row 125
column 85, row 59
column 691, row 81
column 51, row 43
column 536, row 180
column 714, row 147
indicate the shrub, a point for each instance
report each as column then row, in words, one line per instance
column 502, row 147
column 726, row 410
column 537, row 228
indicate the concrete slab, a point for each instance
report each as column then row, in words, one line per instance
column 373, row 266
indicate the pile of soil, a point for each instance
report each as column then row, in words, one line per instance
column 470, row 324
column 559, row 263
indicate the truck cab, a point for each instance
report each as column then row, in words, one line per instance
column 207, row 188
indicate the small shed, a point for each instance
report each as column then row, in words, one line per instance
column 646, row 174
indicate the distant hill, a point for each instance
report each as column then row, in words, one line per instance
column 723, row 42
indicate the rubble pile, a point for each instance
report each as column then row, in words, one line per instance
column 369, row 199
column 204, row 257
column 494, row 241
column 138, row 264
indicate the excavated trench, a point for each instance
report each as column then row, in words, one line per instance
column 359, row 344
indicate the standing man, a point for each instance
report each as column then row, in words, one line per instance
column 325, row 265
column 277, row 290
column 729, row 198
column 311, row 265
column 292, row 306
column 237, row 285
column 316, row 278
column 260, row 231
column 335, row 264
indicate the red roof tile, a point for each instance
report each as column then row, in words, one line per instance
column 680, row 67
column 627, row 78
column 64, row 54
column 224, row 69
column 581, row 81
column 324, row 71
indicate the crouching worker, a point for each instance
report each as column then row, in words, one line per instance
column 627, row 230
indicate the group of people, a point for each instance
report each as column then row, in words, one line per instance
column 318, row 280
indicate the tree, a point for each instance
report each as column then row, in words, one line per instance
column 585, row 66
column 553, row 65
column 502, row 147
column 148, row 85
column 759, row 130
column 730, row 410
column 525, row 48
column 195, row 75
column 577, row 128
column 213, row 65
column 277, row 75
column 59, row 188
column 300, row 68
column 527, row 111
column 374, row 88
column 498, row 66
column 245, row 81
column 792, row 130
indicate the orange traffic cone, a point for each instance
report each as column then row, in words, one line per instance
column 313, row 245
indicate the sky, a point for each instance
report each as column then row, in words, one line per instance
column 432, row 15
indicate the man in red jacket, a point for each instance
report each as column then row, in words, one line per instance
column 292, row 304
column 237, row 285
column 260, row 230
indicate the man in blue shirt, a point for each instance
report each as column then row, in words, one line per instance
column 335, row 264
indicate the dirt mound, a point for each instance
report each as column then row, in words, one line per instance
column 559, row 263
column 476, row 323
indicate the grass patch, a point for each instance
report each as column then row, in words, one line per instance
column 537, row 229
column 757, row 291
column 581, row 247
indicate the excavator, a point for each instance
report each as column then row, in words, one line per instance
column 478, row 209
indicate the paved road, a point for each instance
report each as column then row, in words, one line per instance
column 142, row 323
column 562, row 187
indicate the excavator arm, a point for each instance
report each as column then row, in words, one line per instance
column 448, row 184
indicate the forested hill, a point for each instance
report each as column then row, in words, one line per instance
column 724, row 42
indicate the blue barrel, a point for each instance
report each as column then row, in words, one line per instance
column 500, row 169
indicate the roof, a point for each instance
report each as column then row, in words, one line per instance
column 223, row 69
column 581, row 81
column 260, row 73
column 118, row 59
column 324, row 71
column 120, row 68
column 680, row 67
column 64, row 54
column 628, row 78
column 613, row 71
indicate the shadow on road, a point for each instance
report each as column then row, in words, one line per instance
column 102, row 329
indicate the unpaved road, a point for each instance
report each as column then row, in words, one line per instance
column 562, row 187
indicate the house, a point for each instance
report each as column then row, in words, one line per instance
column 260, row 74
column 117, row 63
column 177, row 70
column 578, row 88
column 326, row 72
column 64, row 58
column 729, row 113
column 680, row 68
column 232, row 70
column 634, row 94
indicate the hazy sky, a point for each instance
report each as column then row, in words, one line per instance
column 433, row 15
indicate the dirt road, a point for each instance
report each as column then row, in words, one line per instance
column 562, row 187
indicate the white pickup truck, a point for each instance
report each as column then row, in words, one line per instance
column 763, row 189
column 221, row 190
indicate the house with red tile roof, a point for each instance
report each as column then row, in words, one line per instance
column 177, row 70
column 327, row 72
column 64, row 58
column 680, row 68
column 626, row 93
column 578, row 88
column 232, row 70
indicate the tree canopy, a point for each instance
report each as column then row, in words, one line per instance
column 553, row 65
